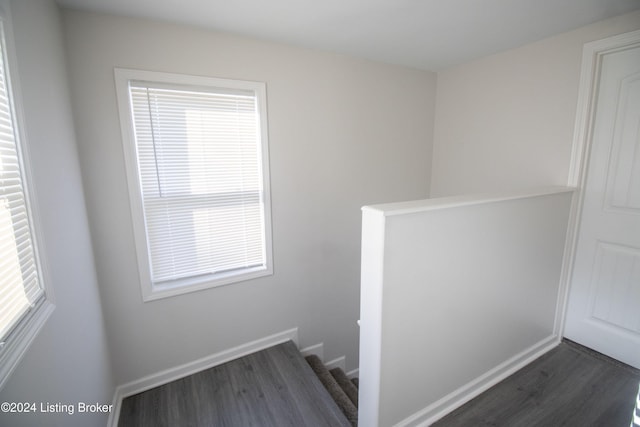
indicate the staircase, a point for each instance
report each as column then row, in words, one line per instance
column 343, row 390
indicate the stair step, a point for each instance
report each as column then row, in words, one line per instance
column 345, row 383
column 356, row 382
column 337, row 393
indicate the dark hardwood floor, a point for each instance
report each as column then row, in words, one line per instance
column 273, row 387
column 569, row 386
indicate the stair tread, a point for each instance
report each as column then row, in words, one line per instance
column 337, row 393
column 345, row 383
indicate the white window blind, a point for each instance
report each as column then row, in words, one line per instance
column 20, row 287
column 199, row 158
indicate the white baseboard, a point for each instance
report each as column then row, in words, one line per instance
column 317, row 350
column 354, row 373
column 339, row 362
column 336, row 363
column 172, row 374
column 462, row 395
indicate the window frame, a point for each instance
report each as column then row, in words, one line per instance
column 151, row 291
column 23, row 332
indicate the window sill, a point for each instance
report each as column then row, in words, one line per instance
column 184, row 286
column 20, row 340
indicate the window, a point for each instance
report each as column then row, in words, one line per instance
column 196, row 151
column 23, row 303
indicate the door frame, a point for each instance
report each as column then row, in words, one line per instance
column 592, row 55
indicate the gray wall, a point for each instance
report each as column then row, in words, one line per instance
column 506, row 121
column 343, row 133
column 68, row 361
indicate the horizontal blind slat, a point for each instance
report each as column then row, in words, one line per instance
column 20, row 285
column 199, row 162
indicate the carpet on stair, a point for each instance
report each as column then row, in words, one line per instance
column 345, row 383
column 341, row 398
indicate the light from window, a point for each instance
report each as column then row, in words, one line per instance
column 199, row 180
column 23, row 306
column 20, row 287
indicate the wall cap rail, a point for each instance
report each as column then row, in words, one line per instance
column 416, row 206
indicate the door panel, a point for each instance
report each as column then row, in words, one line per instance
column 603, row 310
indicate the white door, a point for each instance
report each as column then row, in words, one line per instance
column 603, row 310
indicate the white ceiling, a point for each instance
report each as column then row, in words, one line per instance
column 426, row 34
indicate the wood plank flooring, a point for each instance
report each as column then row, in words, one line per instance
column 569, row 386
column 273, row 387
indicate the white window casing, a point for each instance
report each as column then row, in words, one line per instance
column 196, row 154
column 25, row 301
